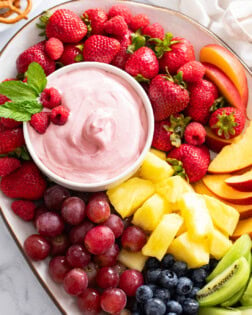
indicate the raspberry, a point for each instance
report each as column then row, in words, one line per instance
column 8, row 165
column 193, row 71
column 9, row 123
column 59, row 115
column 195, row 134
column 120, row 10
column 24, row 209
column 50, row 98
column 40, row 122
column 54, row 48
column 139, row 21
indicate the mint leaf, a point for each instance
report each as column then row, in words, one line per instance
column 20, row 110
column 17, row 91
column 36, row 77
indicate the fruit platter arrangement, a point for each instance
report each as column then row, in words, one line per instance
column 110, row 96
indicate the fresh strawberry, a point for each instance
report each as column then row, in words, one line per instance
column 167, row 97
column 195, row 160
column 25, row 183
column 67, row 26
column 227, row 122
column 116, row 26
column 95, row 19
column 54, row 48
column 40, row 121
column 142, row 64
column 122, row 56
column 139, row 21
column 24, row 209
column 121, row 10
column 100, row 48
column 2, row 128
column 202, row 97
column 8, row 165
column 37, row 54
column 9, row 123
column 72, row 53
column 50, row 98
column 195, row 134
column 155, row 30
column 10, row 140
column 193, row 71
column 59, row 115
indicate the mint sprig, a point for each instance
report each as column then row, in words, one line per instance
column 36, row 77
column 17, row 90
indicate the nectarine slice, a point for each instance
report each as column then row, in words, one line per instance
column 234, row 157
column 243, row 227
column 241, row 182
column 216, row 184
column 229, row 64
column 244, row 210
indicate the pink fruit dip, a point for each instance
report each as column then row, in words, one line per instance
column 106, row 130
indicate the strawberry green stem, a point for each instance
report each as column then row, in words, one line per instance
column 226, row 125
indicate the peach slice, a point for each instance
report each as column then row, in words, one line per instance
column 229, row 64
column 241, row 182
column 217, row 185
column 244, row 210
column 225, row 85
column 243, row 227
column 234, row 157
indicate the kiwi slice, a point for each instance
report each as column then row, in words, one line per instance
column 245, row 310
column 241, row 247
column 246, row 299
column 235, row 298
column 225, row 285
column 218, row 311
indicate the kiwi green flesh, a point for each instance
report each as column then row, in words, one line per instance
column 246, row 299
column 225, row 285
column 218, row 311
column 241, row 247
column 245, row 310
column 235, row 298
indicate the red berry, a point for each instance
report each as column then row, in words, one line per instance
column 116, row 26
column 59, row 115
column 59, row 244
column 58, row 268
column 107, row 277
column 109, row 258
column 10, row 140
column 95, row 19
column 55, row 196
column 113, row 300
column 9, row 123
column 130, row 280
column 195, row 134
column 8, row 165
column 98, row 209
column 77, row 256
column 192, row 71
column 155, row 30
column 161, row 138
column 139, row 21
column 115, row 223
column 99, row 239
column 122, row 56
column 54, row 48
column 78, row 233
column 50, row 98
column 71, row 54
column 73, row 210
column 49, row 224
column 40, row 122
column 24, row 209
column 75, row 281
column 36, row 247
column 91, row 270
column 89, row 302
column 121, row 10
column 133, row 238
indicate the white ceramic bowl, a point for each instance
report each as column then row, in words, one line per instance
column 106, row 184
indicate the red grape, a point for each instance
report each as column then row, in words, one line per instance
column 59, row 244
column 133, row 238
column 107, row 277
column 120, row 268
column 77, row 256
column 36, row 247
column 130, row 280
column 49, row 224
column 78, row 233
column 113, row 300
column 115, row 223
column 99, row 239
column 109, row 258
column 73, row 210
column 99, row 195
column 89, row 302
column 58, row 268
column 98, row 209
column 75, row 281
column 91, row 270
column 38, row 211
column 54, row 197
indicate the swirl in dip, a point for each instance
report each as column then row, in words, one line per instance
column 105, row 132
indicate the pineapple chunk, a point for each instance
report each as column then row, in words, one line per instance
column 130, row 195
column 224, row 217
column 195, row 253
column 149, row 214
column 182, row 229
column 161, row 238
column 219, row 244
column 154, row 168
column 195, row 213
column 160, row 154
column 132, row 260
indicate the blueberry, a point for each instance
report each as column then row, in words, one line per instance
column 180, row 268
column 153, row 287
column 152, row 263
column 152, row 275
column 168, row 279
column 180, row 299
column 143, row 293
column 198, row 275
column 206, row 267
column 162, row 294
column 154, row 307
column 192, row 294
column 184, row 286
column 167, row 261
column 171, row 313
column 213, row 263
column 174, row 307
column 190, row 306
